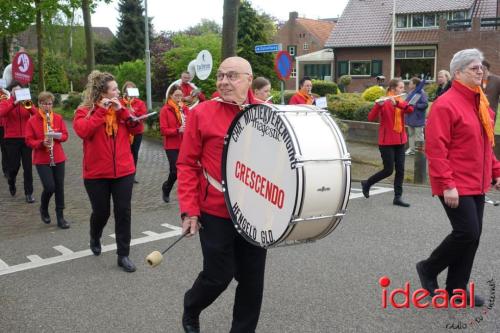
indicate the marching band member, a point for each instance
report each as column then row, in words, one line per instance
column 391, row 140
column 136, row 108
column 303, row 95
column 172, row 125
column 4, row 94
column 16, row 115
column 189, row 90
column 48, row 155
column 226, row 254
column 261, row 89
column 108, row 166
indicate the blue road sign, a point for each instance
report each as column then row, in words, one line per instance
column 283, row 65
column 267, row 48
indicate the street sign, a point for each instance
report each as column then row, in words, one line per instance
column 283, row 65
column 22, row 68
column 267, row 48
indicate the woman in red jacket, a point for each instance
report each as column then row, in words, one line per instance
column 16, row 115
column 108, row 166
column 48, row 155
column 172, row 124
column 136, row 108
column 391, row 139
column 303, row 95
column 462, row 166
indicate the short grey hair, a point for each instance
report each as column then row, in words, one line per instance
column 463, row 58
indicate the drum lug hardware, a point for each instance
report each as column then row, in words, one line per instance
column 315, row 218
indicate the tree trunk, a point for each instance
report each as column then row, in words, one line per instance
column 5, row 52
column 89, row 38
column 229, row 28
column 39, row 37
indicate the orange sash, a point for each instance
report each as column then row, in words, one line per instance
column 111, row 122
column 398, row 122
column 176, row 110
column 309, row 99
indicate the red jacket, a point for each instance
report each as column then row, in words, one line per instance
column 202, row 145
column 456, row 145
column 187, row 88
column 104, row 156
column 169, row 127
column 138, row 109
column 387, row 136
column 297, row 99
column 35, row 137
column 15, row 117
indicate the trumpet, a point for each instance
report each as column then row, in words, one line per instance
column 28, row 104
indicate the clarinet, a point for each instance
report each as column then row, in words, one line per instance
column 51, row 139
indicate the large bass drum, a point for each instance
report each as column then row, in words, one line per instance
column 285, row 174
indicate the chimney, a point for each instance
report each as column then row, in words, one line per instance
column 293, row 15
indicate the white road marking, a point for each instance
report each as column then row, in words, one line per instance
column 63, row 249
column 36, row 261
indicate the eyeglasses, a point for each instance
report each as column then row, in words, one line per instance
column 47, row 103
column 477, row 68
column 231, row 75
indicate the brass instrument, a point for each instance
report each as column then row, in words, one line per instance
column 28, row 104
column 51, row 138
column 4, row 94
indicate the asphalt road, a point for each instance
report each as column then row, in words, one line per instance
column 327, row 286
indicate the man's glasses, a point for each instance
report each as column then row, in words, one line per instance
column 231, row 75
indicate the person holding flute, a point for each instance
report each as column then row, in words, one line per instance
column 392, row 139
column 45, row 132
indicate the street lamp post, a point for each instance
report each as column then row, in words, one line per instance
column 148, row 57
column 393, row 37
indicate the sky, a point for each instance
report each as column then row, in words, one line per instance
column 181, row 14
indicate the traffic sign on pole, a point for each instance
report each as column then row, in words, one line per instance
column 268, row 48
column 283, row 65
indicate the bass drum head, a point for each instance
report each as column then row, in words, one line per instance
column 259, row 175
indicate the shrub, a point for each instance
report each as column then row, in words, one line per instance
column 344, row 105
column 372, row 93
column 361, row 114
column 431, row 90
column 277, row 96
column 134, row 71
column 71, row 103
column 111, row 69
column 323, row 88
column 344, row 81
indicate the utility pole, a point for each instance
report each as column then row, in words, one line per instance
column 393, row 37
column 148, row 58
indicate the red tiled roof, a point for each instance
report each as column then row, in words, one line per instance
column 321, row 29
column 367, row 23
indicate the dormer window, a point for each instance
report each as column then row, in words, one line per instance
column 427, row 20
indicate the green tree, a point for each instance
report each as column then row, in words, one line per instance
column 129, row 41
column 186, row 48
column 203, row 27
column 229, row 28
column 254, row 29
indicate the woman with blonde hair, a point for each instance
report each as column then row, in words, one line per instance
column 443, row 81
column 105, row 125
column 45, row 131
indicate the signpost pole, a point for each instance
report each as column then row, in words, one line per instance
column 282, row 92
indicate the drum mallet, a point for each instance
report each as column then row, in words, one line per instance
column 155, row 258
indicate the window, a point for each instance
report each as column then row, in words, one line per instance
column 377, row 67
column 342, row 68
column 429, row 20
column 317, row 71
column 415, row 62
column 417, row 20
column 402, row 21
column 306, row 46
column 400, row 54
column 429, row 53
column 292, row 49
column 293, row 73
column 360, row 68
column 414, row 53
column 459, row 15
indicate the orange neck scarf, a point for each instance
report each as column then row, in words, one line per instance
column 309, row 99
column 111, row 122
column 398, row 121
column 484, row 114
column 177, row 111
column 44, row 117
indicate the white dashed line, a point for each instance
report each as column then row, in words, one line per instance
column 63, row 249
column 3, row 265
column 34, row 258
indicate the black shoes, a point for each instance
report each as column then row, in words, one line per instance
column 428, row 283
column 12, row 189
column 61, row 222
column 166, row 198
column 189, row 324
column 135, row 181
column 44, row 214
column 30, row 198
column 95, row 246
column 366, row 189
column 398, row 202
column 126, row 264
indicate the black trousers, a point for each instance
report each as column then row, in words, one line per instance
column 3, row 151
column 18, row 152
column 393, row 157
column 226, row 254
column 135, row 146
column 100, row 191
column 172, row 155
column 458, row 249
column 52, row 178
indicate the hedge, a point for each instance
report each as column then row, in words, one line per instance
column 324, row 88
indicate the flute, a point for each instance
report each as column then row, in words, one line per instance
column 385, row 98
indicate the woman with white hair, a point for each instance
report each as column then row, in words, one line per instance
column 443, row 81
column 462, row 165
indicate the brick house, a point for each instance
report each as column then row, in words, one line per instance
column 300, row 36
column 427, row 34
